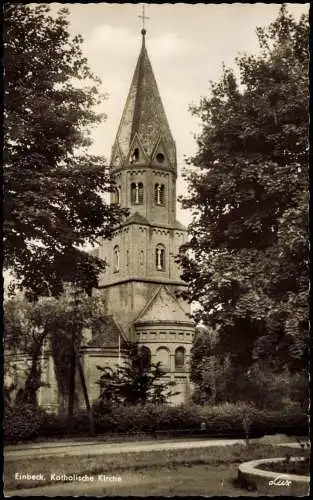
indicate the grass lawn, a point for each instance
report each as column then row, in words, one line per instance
column 205, row 471
column 194, row 480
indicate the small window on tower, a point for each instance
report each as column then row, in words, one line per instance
column 160, row 157
column 135, row 155
column 116, row 257
column 118, row 195
column 159, row 190
column 140, row 188
column 136, row 193
column 160, row 258
column 141, row 257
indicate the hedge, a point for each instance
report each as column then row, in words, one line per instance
column 228, row 419
column 22, row 423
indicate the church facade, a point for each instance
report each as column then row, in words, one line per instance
column 141, row 280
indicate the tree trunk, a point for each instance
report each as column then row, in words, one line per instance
column 33, row 381
column 72, row 374
column 85, row 391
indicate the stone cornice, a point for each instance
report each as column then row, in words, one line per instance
column 144, row 280
column 187, row 323
column 153, row 225
column 150, row 167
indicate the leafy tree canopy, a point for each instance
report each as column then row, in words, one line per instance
column 246, row 261
column 53, row 198
column 213, row 375
column 58, row 323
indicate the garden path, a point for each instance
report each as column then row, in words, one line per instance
column 98, row 448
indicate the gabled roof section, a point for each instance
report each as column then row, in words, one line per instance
column 144, row 113
column 105, row 333
column 136, row 218
column 163, row 308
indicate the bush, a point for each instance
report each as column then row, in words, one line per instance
column 137, row 418
column 151, row 417
column 239, row 420
column 22, row 422
column 58, row 426
column 269, row 389
column 227, row 418
column 288, row 420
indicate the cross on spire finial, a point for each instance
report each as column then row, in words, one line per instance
column 143, row 17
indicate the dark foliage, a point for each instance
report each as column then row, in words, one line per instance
column 247, row 260
column 137, row 381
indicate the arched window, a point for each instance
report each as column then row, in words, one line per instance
column 160, row 258
column 141, row 257
column 117, row 193
column 145, row 357
column 180, row 358
column 116, row 252
column 136, row 193
column 134, row 156
column 163, row 355
column 159, row 190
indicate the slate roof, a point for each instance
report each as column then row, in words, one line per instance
column 163, row 308
column 144, row 114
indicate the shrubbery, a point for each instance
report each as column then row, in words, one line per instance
column 22, row 423
column 228, row 419
column 61, row 426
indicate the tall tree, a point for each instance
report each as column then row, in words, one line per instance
column 218, row 377
column 210, row 373
column 246, row 261
column 59, row 324
column 53, row 189
column 26, row 327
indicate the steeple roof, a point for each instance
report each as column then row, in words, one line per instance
column 143, row 120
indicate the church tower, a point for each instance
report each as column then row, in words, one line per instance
column 142, row 277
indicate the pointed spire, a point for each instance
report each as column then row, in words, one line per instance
column 143, row 32
column 143, row 115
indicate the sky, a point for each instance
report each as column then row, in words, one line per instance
column 187, row 45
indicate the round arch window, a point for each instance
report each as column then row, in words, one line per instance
column 163, row 356
column 116, row 253
column 159, row 190
column 180, row 358
column 160, row 258
column 136, row 193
